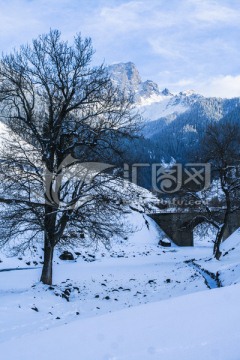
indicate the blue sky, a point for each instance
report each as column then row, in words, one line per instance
column 180, row 44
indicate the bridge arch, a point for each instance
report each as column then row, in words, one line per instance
column 204, row 234
column 179, row 226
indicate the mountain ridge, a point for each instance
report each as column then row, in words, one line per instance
column 155, row 104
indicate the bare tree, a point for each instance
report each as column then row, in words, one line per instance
column 221, row 149
column 62, row 113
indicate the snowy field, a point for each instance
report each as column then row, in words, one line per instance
column 137, row 301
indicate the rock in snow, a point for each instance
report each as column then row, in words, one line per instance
column 66, row 255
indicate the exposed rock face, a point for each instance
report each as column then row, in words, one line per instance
column 149, row 88
column 127, row 77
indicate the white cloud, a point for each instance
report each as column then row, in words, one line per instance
column 211, row 12
column 222, row 86
column 227, row 86
column 181, row 84
column 165, row 49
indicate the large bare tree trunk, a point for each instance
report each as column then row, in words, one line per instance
column 49, row 244
column 46, row 276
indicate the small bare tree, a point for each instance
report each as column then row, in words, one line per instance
column 60, row 112
column 221, row 146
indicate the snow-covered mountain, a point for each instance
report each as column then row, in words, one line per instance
column 155, row 104
column 174, row 123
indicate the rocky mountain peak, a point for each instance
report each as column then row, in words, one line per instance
column 126, row 76
column 166, row 92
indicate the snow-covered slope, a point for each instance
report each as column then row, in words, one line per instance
column 197, row 326
column 168, row 106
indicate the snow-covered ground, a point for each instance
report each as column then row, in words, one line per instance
column 192, row 327
column 228, row 268
column 138, row 301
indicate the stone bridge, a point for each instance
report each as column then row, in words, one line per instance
column 179, row 226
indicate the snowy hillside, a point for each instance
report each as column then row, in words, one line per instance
column 138, row 301
column 168, row 106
